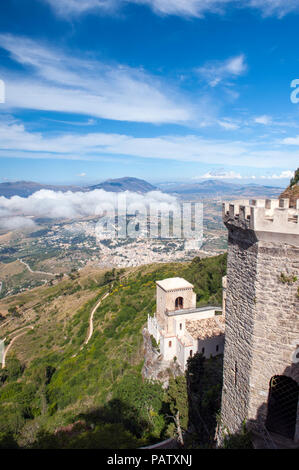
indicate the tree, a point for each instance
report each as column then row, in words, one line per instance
column 177, row 400
column 14, row 311
column 204, row 378
column 295, row 179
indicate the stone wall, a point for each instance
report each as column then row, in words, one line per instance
column 276, row 323
column 262, row 321
column 240, row 312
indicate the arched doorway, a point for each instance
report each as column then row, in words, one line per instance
column 179, row 303
column 282, row 406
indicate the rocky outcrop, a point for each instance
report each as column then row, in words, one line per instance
column 292, row 191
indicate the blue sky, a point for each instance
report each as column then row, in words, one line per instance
column 163, row 90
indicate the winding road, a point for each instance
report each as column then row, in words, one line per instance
column 6, row 350
column 35, row 272
column 31, row 327
column 93, row 312
column 12, row 342
column 91, row 317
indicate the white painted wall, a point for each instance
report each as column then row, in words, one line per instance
column 209, row 346
column 177, row 322
column 169, row 351
column 180, row 354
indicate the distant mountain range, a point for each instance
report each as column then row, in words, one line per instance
column 208, row 189
column 125, row 184
column 26, row 188
column 215, row 188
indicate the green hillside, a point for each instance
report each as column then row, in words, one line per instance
column 56, row 392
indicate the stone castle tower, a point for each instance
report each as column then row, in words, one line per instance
column 173, row 294
column 261, row 355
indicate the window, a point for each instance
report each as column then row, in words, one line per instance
column 217, row 348
column 181, row 326
column 179, row 302
column 203, row 350
column 170, row 344
column 191, row 353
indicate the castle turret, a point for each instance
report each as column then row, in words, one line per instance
column 261, row 356
column 173, row 294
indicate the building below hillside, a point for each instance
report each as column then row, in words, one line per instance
column 180, row 328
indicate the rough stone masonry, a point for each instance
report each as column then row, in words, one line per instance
column 262, row 308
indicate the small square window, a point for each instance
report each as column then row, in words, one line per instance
column 170, row 344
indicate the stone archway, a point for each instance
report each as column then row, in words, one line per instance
column 179, row 303
column 282, row 406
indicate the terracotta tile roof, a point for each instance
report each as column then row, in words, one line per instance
column 206, row 328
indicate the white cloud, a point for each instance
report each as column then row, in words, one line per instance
column 216, row 72
column 284, row 174
column 16, row 141
column 263, row 120
column 291, row 140
column 59, row 82
column 228, row 125
column 16, row 223
column 14, row 211
column 277, row 8
column 77, row 7
column 89, row 122
column 82, row 175
column 222, row 174
column 197, row 8
column 186, row 8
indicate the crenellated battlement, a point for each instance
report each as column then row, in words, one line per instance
column 263, row 215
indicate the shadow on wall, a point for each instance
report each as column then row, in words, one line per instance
column 277, row 420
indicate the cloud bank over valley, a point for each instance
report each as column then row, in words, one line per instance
column 17, row 212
